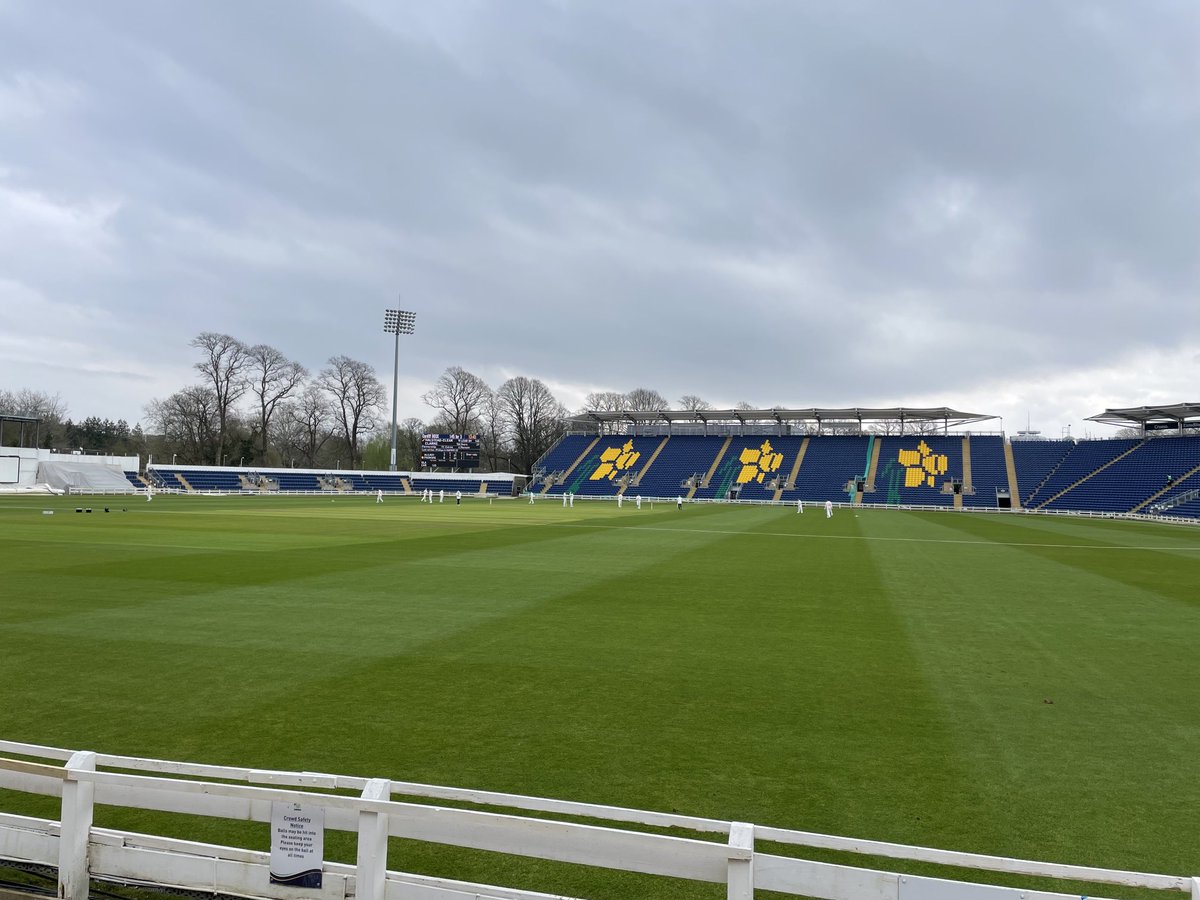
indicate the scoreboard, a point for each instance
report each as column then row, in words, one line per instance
column 450, row 451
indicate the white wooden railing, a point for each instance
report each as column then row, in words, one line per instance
column 82, row 851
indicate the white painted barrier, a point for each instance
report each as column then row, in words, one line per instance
column 81, row 851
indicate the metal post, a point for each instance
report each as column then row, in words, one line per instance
column 395, row 392
column 397, row 322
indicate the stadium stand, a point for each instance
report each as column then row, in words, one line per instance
column 560, row 459
column 1159, row 475
column 242, row 481
column 753, row 468
column 829, row 462
column 1134, row 478
column 989, row 475
column 1035, row 462
column 609, row 466
column 1084, row 458
column 914, row 469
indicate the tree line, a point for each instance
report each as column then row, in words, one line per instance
column 252, row 405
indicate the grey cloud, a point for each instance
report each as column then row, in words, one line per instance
column 751, row 201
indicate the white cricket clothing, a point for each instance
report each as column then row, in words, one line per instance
column 829, row 509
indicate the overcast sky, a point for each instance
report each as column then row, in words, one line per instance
column 987, row 205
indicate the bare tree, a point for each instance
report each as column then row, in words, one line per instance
column 188, row 422
column 36, row 404
column 408, row 443
column 494, row 431
column 223, row 367
column 357, row 398
column 743, row 405
column 307, row 424
column 50, row 409
column 644, row 399
column 606, row 401
column 534, row 419
column 459, row 396
column 692, row 403
column 272, row 378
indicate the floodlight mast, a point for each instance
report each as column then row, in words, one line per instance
column 397, row 322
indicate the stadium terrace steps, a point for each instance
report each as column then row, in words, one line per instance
column 407, row 485
column 791, row 479
column 708, row 476
column 873, row 466
column 1093, row 473
column 988, row 474
column 1010, row 469
column 637, row 480
column 968, row 486
column 1037, row 463
column 1172, row 487
column 582, row 456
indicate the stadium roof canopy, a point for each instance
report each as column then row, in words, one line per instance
column 942, row 414
column 1174, row 413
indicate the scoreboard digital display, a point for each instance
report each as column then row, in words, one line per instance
column 450, row 451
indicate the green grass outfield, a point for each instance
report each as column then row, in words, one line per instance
column 1017, row 685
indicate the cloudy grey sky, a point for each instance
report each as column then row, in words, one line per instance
column 988, row 205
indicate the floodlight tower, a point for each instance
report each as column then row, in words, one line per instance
column 397, row 322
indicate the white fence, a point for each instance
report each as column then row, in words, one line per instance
column 81, row 851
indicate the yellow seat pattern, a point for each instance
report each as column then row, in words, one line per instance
column 758, row 462
column 922, row 465
column 615, row 461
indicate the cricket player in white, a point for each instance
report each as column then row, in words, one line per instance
column 441, row 496
column 800, row 507
column 829, row 509
column 379, row 496
column 679, row 502
column 564, row 499
column 639, row 501
column 572, row 501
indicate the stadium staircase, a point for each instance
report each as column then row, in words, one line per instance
column 1038, row 458
column 1091, row 474
column 562, row 479
column 708, row 476
column 874, row 448
column 637, row 480
column 186, row 486
column 1010, row 469
column 791, row 479
column 1173, row 487
column 407, row 485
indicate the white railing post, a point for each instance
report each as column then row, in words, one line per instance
column 76, row 828
column 741, row 862
column 371, row 877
